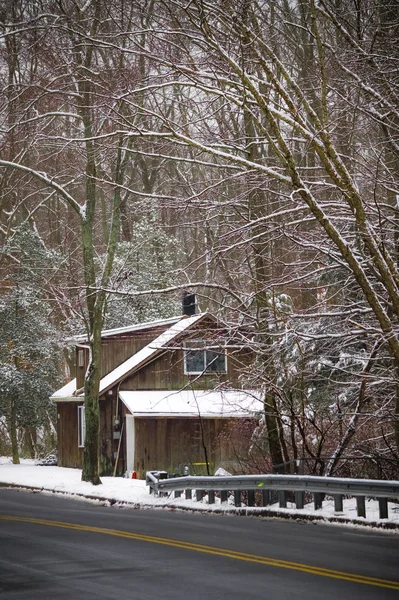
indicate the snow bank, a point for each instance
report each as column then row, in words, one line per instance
column 133, row 491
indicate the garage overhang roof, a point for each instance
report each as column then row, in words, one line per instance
column 192, row 403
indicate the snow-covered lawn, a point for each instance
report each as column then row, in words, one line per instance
column 118, row 490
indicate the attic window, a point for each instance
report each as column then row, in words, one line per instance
column 80, row 358
column 81, row 426
column 199, row 359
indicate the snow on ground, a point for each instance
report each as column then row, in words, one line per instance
column 68, row 481
column 119, row 490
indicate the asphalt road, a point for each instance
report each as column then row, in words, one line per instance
column 52, row 547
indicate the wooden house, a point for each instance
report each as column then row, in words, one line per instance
column 168, row 390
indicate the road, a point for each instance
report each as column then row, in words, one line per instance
column 53, row 547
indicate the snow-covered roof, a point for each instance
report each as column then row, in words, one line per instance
column 192, row 403
column 148, row 352
column 136, row 361
column 66, row 392
column 131, row 328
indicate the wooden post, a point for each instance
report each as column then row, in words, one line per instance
column 237, row 497
column 265, row 497
column 361, row 506
column 338, row 503
column 251, row 497
column 300, row 499
column 383, row 506
column 318, row 500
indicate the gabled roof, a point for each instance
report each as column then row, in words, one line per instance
column 149, row 352
column 138, row 360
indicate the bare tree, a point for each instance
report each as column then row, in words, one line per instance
column 309, row 123
column 65, row 108
column 272, row 128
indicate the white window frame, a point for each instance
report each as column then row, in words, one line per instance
column 196, row 345
column 81, row 426
column 81, row 358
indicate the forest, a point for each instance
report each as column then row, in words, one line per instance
column 245, row 151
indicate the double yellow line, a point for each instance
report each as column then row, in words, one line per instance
column 262, row 560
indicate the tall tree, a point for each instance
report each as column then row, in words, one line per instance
column 30, row 355
column 303, row 113
column 270, row 128
column 64, row 90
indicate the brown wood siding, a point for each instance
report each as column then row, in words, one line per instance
column 167, row 373
column 170, row 443
column 69, row 454
column 161, row 443
column 115, row 350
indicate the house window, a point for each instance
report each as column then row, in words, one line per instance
column 199, row 359
column 80, row 358
column 81, row 426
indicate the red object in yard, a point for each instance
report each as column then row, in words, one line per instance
column 134, row 475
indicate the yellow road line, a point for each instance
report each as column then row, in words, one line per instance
column 263, row 560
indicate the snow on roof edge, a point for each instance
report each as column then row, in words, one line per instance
column 136, row 360
column 66, row 392
column 192, row 403
column 149, row 351
column 130, row 328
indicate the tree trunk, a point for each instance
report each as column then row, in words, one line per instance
column 91, row 452
column 396, row 414
column 12, row 428
column 30, row 441
column 273, row 437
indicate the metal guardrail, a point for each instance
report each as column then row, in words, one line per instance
column 264, row 485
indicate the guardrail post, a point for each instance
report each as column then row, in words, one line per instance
column 251, row 497
column 188, row 495
column 282, row 499
column 198, row 495
column 237, row 497
column 265, row 497
column 383, row 506
column 318, row 500
column 338, row 503
column 361, row 506
column 177, row 493
column 152, row 481
column 299, row 499
column 223, row 496
column 211, row 497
